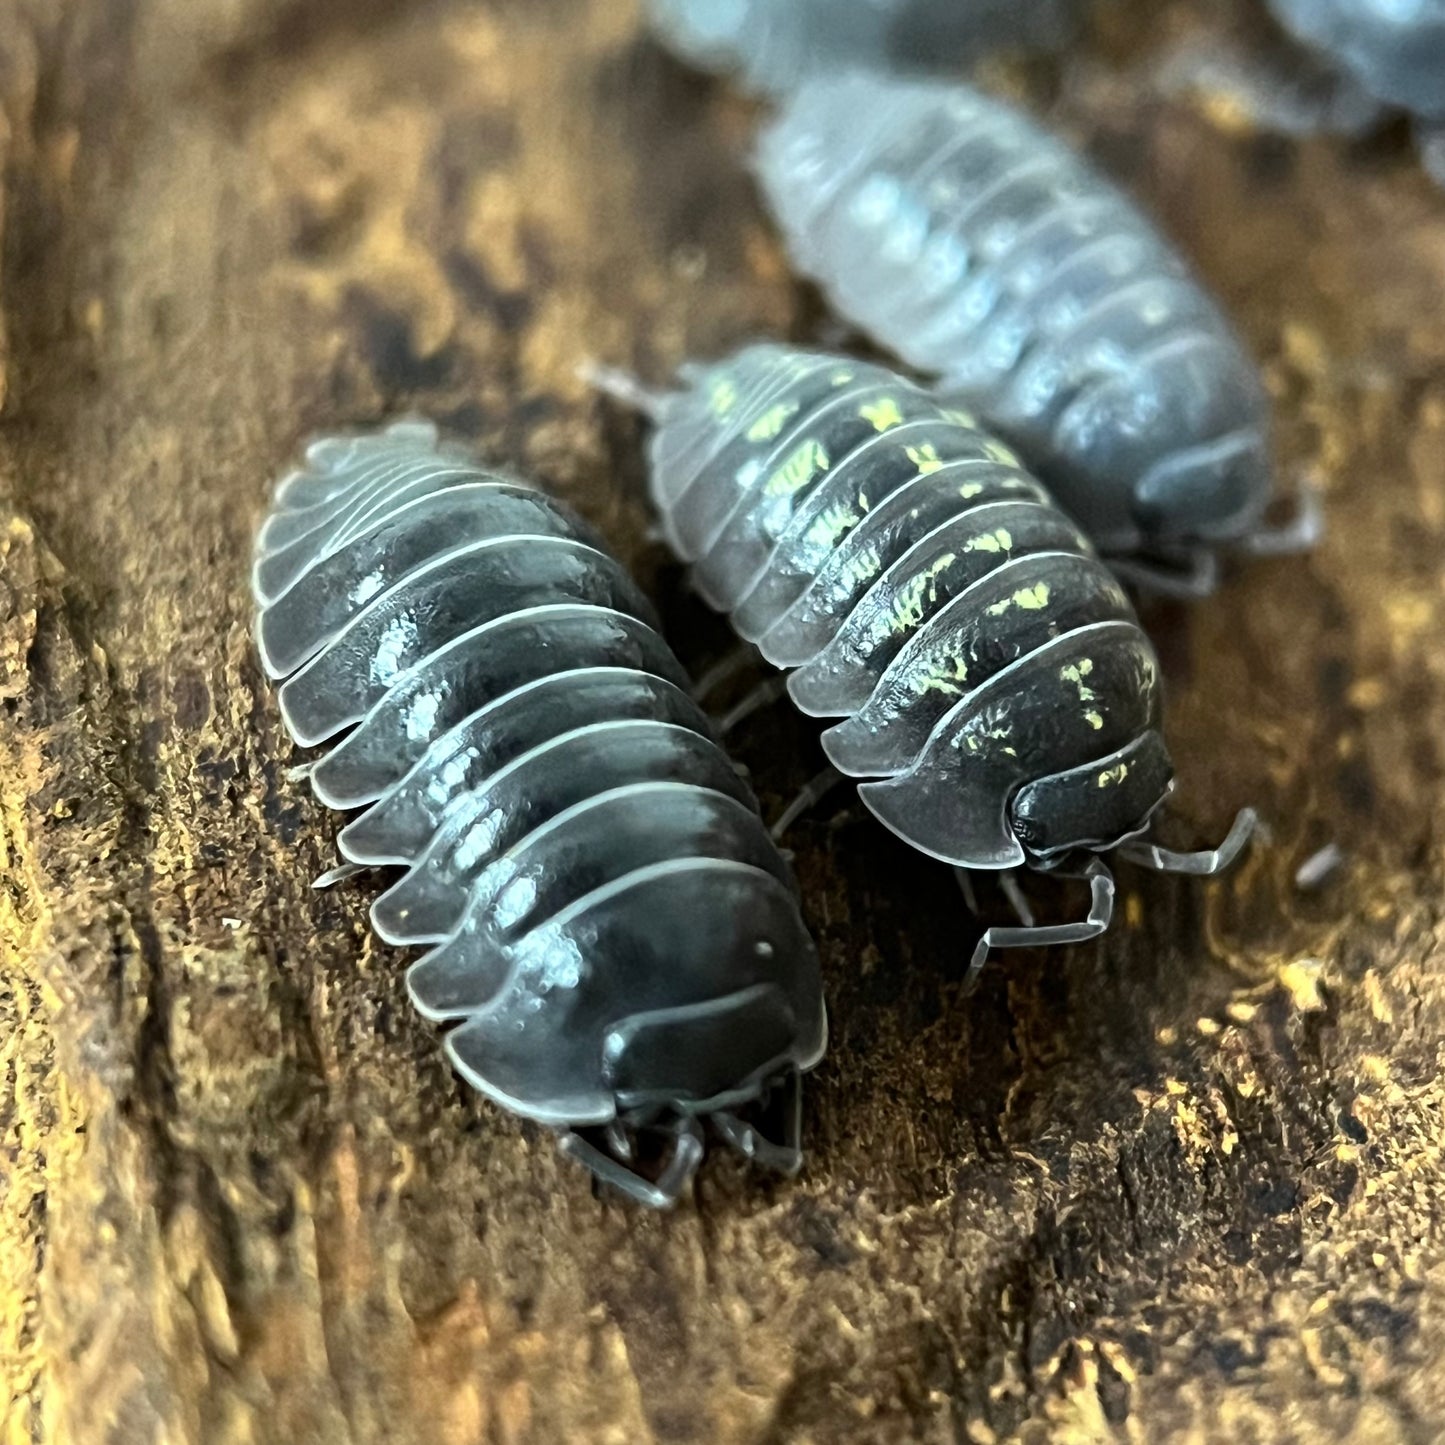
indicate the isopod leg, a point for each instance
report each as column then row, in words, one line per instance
column 1009, row 884
column 1319, row 868
column 622, row 386
column 965, row 886
column 619, row 1141
column 784, row 1155
column 687, row 1150
column 763, row 695
column 1299, row 534
column 339, row 874
column 1101, row 914
column 1191, row 576
column 737, row 659
column 812, row 792
column 1206, row 862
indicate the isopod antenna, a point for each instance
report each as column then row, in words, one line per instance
column 1203, row 863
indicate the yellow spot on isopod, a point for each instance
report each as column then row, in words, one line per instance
column 842, row 376
column 999, row 540
column 908, row 607
column 1094, row 720
column 805, row 461
column 771, row 422
column 1031, row 599
column 925, row 458
column 723, row 396
column 963, row 418
column 1075, row 673
column 883, row 414
column 936, row 684
column 970, row 490
column 998, row 452
column 862, row 568
column 834, row 524
column 1114, row 775
column 941, row 680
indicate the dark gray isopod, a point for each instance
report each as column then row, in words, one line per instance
column 769, row 44
column 984, row 252
column 1395, row 50
column 613, row 938
column 991, row 682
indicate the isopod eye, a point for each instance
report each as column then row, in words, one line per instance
column 1094, row 805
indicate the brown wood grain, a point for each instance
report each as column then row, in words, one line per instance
column 1188, row 1184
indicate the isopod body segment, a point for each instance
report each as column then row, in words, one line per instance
column 612, row 939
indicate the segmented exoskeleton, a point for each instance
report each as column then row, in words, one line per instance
column 993, row 685
column 769, row 44
column 612, row 935
column 986, row 253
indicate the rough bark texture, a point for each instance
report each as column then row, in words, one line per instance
column 1185, row 1185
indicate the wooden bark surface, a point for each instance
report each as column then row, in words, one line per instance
column 1185, row 1185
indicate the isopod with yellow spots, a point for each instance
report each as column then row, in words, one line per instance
column 991, row 684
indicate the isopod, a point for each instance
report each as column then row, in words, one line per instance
column 993, row 686
column 613, row 940
column 1395, row 51
column 769, row 44
column 987, row 254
